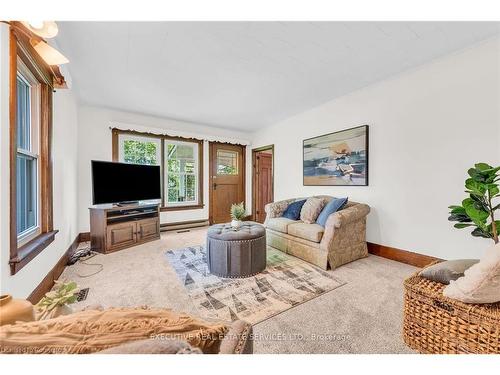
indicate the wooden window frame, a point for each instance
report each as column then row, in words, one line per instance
column 21, row 48
column 116, row 152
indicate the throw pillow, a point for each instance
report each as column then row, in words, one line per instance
column 444, row 272
column 152, row 346
column 336, row 204
column 311, row 209
column 292, row 212
column 481, row 282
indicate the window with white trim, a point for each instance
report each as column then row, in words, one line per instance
column 27, row 157
column 182, row 171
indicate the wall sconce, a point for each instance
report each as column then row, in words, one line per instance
column 48, row 53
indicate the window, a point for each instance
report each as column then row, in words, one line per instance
column 180, row 160
column 31, row 85
column 27, row 123
column 181, row 173
column 140, row 150
column 227, row 162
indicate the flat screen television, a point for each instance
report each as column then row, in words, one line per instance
column 124, row 183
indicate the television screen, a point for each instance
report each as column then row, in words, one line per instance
column 122, row 182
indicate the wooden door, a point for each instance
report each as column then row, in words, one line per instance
column 148, row 229
column 227, row 180
column 119, row 235
column 262, row 183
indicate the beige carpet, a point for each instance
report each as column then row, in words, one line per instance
column 363, row 316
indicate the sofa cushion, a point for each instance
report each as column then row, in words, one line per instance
column 280, row 224
column 311, row 209
column 310, row 232
column 333, row 206
column 293, row 210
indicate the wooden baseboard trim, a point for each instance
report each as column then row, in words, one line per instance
column 403, row 256
column 84, row 237
column 48, row 281
column 184, row 225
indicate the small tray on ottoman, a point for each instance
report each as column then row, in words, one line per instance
column 436, row 324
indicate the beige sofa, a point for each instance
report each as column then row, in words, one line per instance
column 342, row 240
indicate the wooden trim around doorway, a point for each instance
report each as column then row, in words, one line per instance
column 254, row 176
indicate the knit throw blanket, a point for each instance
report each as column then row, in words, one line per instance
column 92, row 331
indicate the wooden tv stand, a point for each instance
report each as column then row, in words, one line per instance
column 115, row 228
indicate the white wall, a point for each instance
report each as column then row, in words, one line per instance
column 65, row 185
column 427, row 127
column 94, row 143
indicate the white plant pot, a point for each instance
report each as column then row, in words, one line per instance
column 235, row 224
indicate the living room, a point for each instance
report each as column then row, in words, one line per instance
column 279, row 187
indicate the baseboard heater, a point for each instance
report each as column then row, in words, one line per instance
column 183, row 225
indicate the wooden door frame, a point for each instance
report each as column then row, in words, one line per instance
column 211, row 171
column 254, row 175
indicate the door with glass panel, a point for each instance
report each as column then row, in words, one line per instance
column 227, row 180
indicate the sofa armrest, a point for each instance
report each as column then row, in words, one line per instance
column 347, row 215
column 276, row 209
column 238, row 340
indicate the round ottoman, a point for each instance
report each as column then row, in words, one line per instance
column 236, row 253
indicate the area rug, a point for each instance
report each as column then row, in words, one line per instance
column 286, row 282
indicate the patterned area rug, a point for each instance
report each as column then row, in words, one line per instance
column 285, row 283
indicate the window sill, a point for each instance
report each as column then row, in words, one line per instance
column 182, row 208
column 30, row 250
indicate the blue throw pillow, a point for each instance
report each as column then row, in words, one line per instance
column 334, row 205
column 292, row 212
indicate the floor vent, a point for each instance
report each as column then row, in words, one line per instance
column 82, row 294
column 183, row 231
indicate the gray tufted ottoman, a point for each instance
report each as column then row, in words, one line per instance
column 236, row 253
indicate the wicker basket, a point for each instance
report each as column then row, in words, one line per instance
column 440, row 325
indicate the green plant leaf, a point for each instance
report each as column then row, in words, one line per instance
column 461, row 225
column 482, row 166
column 460, row 218
column 478, row 232
column 475, row 187
column 493, row 189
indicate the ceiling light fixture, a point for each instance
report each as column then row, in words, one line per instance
column 44, row 29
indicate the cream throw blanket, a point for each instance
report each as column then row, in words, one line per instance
column 92, row 331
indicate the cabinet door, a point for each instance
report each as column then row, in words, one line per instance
column 148, row 229
column 121, row 235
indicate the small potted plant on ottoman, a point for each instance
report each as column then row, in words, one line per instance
column 237, row 214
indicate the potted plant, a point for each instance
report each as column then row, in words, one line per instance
column 478, row 210
column 237, row 214
column 57, row 301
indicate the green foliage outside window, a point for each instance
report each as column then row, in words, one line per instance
column 140, row 152
column 181, row 178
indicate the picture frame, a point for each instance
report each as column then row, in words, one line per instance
column 337, row 159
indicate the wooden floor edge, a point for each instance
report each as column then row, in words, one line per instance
column 402, row 256
column 56, row 271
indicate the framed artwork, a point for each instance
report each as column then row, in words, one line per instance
column 337, row 159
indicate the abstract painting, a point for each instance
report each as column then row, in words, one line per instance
column 339, row 158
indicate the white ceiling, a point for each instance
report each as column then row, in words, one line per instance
column 246, row 75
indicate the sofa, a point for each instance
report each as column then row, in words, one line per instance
column 342, row 240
